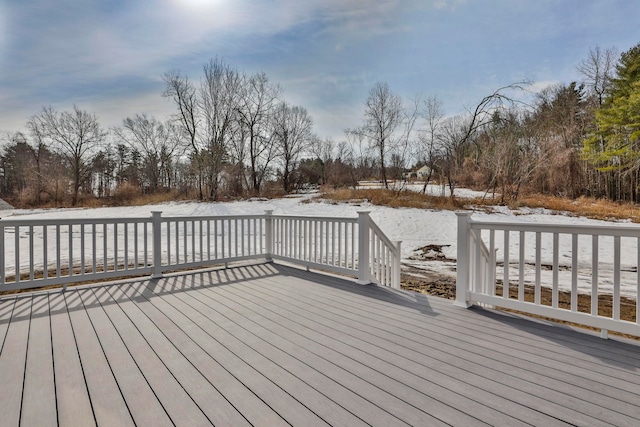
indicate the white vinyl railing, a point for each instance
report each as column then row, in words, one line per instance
column 532, row 268
column 37, row 253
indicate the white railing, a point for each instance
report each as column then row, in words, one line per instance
column 335, row 244
column 37, row 253
column 530, row 267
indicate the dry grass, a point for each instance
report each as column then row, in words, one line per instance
column 584, row 206
column 392, row 198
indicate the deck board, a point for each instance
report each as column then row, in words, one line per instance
column 322, row 348
column 178, row 404
column 72, row 398
column 141, row 400
column 273, row 345
column 186, row 375
column 108, row 404
column 327, row 380
column 605, row 399
column 275, row 385
column 38, row 400
column 12, row 362
column 454, row 386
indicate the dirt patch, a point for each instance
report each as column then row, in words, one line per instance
column 428, row 282
column 430, row 253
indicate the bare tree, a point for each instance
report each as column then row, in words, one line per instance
column 387, row 125
column 75, row 134
column 382, row 117
column 208, row 116
column 458, row 133
column 219, row 102
column 258, row 98
column 433, row 114
column 598, row 69
column 157, row 144
column 183, row 92
column 453, row 141
column 292, row 135
column 322, row 149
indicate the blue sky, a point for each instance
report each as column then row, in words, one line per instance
column 108, row 57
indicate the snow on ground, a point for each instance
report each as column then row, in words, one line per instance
column 432, row 189
column 416, row 228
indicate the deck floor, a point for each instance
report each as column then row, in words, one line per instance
column 271, row 345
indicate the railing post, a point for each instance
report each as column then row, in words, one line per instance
column 395, row 280
column 463, row 262
column 156, row 230
column 268, row 229
column 364, row 271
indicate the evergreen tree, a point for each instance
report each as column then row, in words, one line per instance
column 614, row 143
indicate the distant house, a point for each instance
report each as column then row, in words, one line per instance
column 423, row 172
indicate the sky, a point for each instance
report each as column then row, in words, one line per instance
column 108, row 56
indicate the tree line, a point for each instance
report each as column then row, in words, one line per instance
column 233, row 134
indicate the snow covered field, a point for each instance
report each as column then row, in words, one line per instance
column 432, row 189
column 416, row 228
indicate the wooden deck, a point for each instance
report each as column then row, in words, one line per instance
column 271, row 345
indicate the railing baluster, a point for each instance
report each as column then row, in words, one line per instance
column 353, row 245
column 200, row 241
column 136, row 261
column 70, row 258
column 478, row 261
column 145, row 243
column 45, row 252
column 521, row 242
column 94, row 250
column 176, row 236
column 594, row 274
column 256, row 251
column 505, row 276
column 556, row 267
column 215, row 239
column 574, row 272
column 193, row 240
column 126, row 246
column 341, row 243
column 168, row 224
column 208, row 240
column 31, row 272
column 242, row 235
column 616, row 278
column 185, row 246
column 229, row 228
column 82, row 241
column 115, row 246
column 492, row 262
column 538, row 291
column 58, row 251
column 104, row 248
column 323, row 225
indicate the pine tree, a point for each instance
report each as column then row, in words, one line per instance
column 614, row 143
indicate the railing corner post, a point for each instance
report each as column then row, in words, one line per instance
column 463, row 261
column 397, row 265
column 268, row 222
column 364, row 271
column 156, row 230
